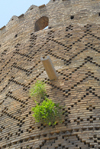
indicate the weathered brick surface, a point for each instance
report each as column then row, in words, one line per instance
column 74, row 48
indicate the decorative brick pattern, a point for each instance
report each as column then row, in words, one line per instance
column 75, row 53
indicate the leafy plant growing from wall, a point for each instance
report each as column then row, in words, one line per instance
column 38, row 91
column 45, row 111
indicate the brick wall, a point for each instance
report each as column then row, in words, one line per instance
column 75, row 52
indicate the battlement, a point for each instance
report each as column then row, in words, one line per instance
column 58, row 12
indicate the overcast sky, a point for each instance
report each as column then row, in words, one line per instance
column 8, row 8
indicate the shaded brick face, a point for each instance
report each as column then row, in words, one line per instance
column 75, row 52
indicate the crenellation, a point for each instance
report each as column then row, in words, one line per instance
column 77, row 12
column 2, row 30
column 21, row 18
column 42, row 6
column 31, row 8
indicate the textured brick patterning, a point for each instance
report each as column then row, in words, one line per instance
column 75, row 52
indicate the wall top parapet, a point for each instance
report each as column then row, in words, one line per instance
column 59, row 12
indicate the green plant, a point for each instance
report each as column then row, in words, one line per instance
column 47, row 112
column 38, row 91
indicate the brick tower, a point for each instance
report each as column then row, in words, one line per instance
column 69, row 32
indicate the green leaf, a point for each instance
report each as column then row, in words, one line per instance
column 47, row 112
column 38, row 91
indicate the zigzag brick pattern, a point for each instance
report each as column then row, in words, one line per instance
column 77, row 62
column 74, row 49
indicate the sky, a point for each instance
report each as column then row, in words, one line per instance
column 8, row 8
